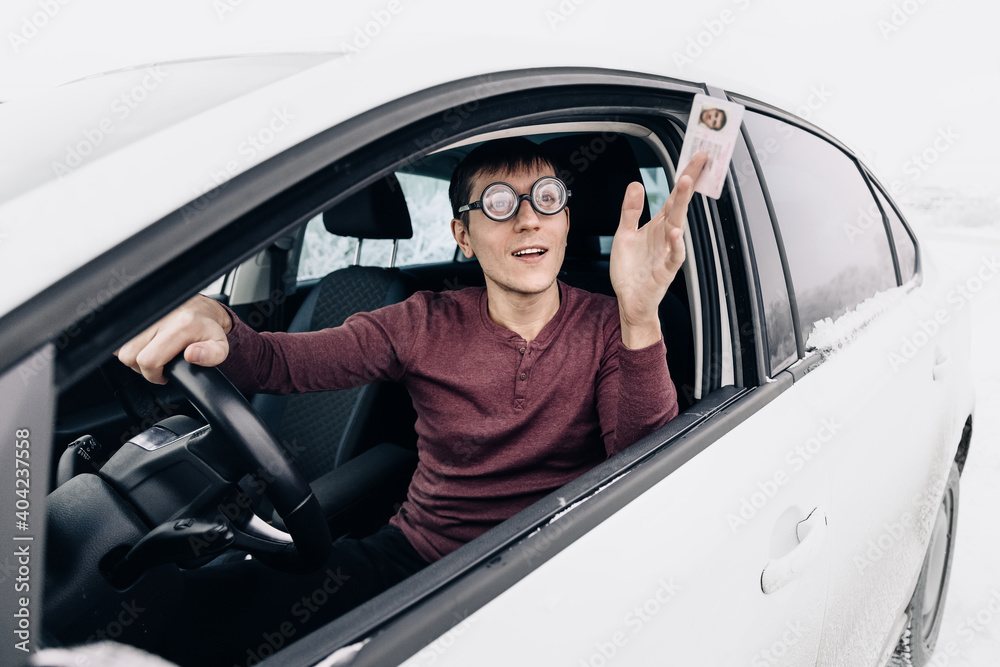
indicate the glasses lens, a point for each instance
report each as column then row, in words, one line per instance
column 499, row 201
column 549, row 195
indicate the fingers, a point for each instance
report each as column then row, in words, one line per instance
column 675, row 241
column 208, row 353
column 166, row 345
column 682, row 194
column 694, row 167
column 193, row 329
column 128, row 352
column 680, row 198
column 632, row 206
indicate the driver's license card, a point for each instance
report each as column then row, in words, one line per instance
column 713, row 128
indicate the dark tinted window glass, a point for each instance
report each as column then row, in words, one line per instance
column 906, row 253
column 770, row 273
column 835, row 242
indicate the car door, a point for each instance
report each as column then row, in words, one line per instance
column 710, row 548
column 887, row 349
column 675, row 575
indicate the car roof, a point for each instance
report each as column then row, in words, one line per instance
column 187, row 122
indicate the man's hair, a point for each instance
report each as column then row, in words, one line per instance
column 500, row 156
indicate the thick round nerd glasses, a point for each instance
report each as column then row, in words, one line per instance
column 500, row 201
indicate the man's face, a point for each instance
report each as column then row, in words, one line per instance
column 713, row 118
column 521, row 255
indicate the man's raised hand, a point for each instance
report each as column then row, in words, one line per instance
column 644, row 261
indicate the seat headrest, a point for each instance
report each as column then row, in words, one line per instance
column 597, row 168
column 377, row 212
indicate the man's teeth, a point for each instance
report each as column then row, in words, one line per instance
column 529, row 251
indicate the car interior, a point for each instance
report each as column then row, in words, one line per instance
column 356, row 448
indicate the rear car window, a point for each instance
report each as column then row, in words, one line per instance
column 906, row 251
column 834, row 240
column 430, row 215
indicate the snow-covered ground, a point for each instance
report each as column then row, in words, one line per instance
column 970, row 635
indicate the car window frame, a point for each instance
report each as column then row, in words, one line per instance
column 918, row 273
column 758, row 235
column 431, row 612
column 809, row 360
column 278, row 210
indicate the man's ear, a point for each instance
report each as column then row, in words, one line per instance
column 567, row 225
column 461, row 234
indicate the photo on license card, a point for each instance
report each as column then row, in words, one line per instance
column 713, row 128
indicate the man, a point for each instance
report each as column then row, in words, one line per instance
column 544, row 379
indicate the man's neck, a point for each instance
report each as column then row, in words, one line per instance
column 524, row 314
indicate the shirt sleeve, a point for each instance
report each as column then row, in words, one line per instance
column 366, row 347
column 635, row 395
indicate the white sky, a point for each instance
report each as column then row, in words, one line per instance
column 891, row 90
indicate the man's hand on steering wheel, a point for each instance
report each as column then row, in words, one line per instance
column 197, row 328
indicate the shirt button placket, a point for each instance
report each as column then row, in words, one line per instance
column 522, row 377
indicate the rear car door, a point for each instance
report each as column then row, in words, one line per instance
column 885, row 342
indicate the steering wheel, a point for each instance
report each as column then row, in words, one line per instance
column 229, row 414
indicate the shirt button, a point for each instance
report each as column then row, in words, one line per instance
column 521, row 350
column 524, row 375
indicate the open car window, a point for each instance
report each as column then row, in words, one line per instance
column 82, row 411
column 427, row 201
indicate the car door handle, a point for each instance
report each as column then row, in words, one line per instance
column 810, row 533
column 940, row 368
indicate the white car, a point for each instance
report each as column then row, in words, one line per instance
column 800, row 510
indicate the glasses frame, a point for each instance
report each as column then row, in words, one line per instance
column 478, row 204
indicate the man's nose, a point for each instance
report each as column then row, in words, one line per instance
column 527, row 217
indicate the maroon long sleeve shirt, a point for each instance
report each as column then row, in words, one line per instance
column 500, row 422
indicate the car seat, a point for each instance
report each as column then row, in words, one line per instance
column 356, row 481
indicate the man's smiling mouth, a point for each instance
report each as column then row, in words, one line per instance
column 529, row 251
